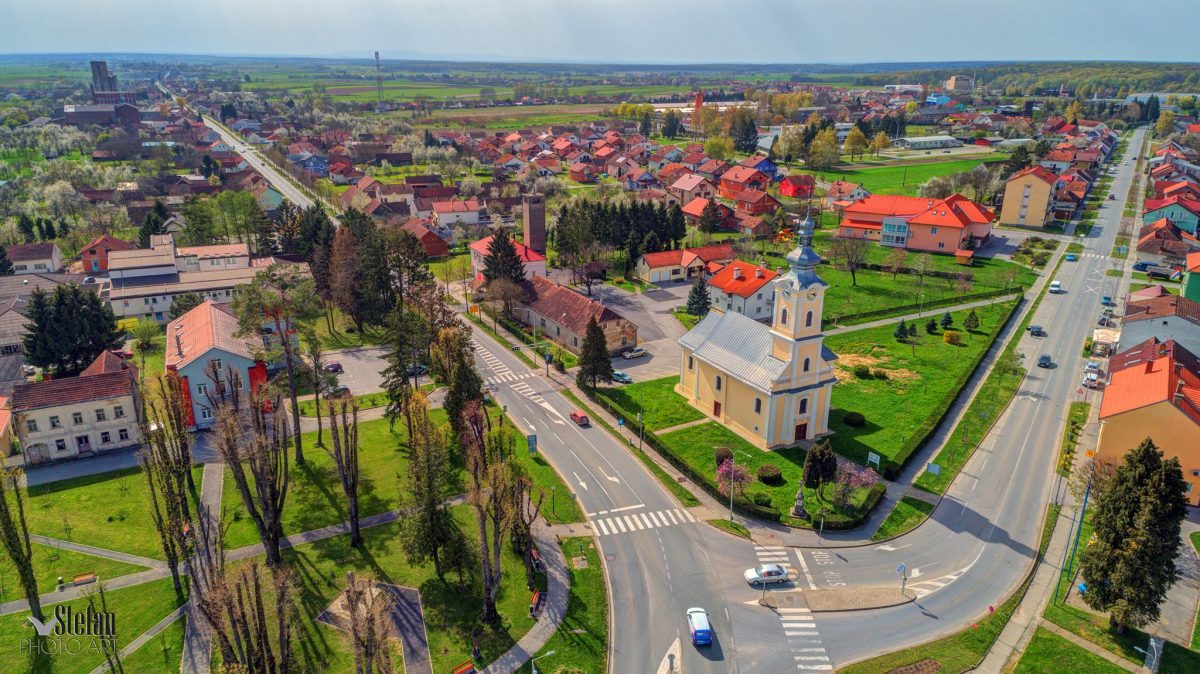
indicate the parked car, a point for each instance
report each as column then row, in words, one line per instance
column 620, row 377
column 338, row 392
column 699, row 627
column 1091, row 380
column 416, row 370
column 1112, row 197
column 635, row 352
column 333, row 367
column 1102, row 321
column 1106, row 301
column 1141, row 265
column 580, row 418
column 28, row 370
column 1093, row 366
column 1044, row 360
column 1037, row 331
column 1071, row 257
column 766, row 573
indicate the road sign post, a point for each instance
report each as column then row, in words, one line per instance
column 873, row 458
column 902, row 570
column 934, row 469
column 532, row 444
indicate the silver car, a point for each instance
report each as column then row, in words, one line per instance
column 766, row 574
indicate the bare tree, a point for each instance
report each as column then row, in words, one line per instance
column 489, row 494
column 345, row 457
column 14, row 534
column 264, row 453
column 897, row 260
column 166, row 463
column 321, row 379
column 106, row 641
column 525, row 506
column 850, row 254
column 921, row 269
column 369, row 614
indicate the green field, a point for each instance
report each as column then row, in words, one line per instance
column 1049, row 653
column 908, row 513
column 581, row 642
column 655, row 399
column 50, row 563
column 904, row 178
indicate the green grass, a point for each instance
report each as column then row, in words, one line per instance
column 1116, row 273
column 1194, row 537
column 965, row 649
column 1076, row 417
column 581, row 642
column 695, row 446
column 1122, row 242
column 730, row 527
column 685, row 497
column 1049, row 653
column 452, row 268
column 136, row 610
column 366, row 401
column 315, row 497
column 108, row 510
column 1075, row 247
column 49, row 563
column 656, row 399
column 687, row 320
column 908, row 513
column 922, row 380
column 344, row 335
column 904, row 178
column 160, row 655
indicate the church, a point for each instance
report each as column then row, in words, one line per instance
column 769, row 384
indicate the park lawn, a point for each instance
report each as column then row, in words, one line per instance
column 344, row 335
column 1049, row 653
column 450, row 609
column 161, row 654
column 1076, row 418
column 108, row 510
column 366, row 401
column 581, row 642
column 695, row 446
column 452, row 268
column 902, row 178
column 49, row 563
column 963, row 650
column 685, row 319
column 922, row 380
column 136, row 610
column 1194, row 537
column 661, row 406
column 908, row 513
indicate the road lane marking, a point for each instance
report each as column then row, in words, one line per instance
column 672, row 516
column 655, row 518
column 688, row 515
column 603, row 529
column 581, row 482
column 624, row 508
column 646, row 520
column 619, row 524
column 614, row 524
column 804, row 567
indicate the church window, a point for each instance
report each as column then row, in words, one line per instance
column 718, row 382
column 758, row 405
column 808, row 320
column 689, row 362
column 783, row 316
column 803, row 405
column 807, row 364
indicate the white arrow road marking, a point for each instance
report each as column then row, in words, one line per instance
column 608, row 477
column 670, row 661
column 581, row 482
column 892, row 548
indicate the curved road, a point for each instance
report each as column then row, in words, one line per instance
column 973, row 552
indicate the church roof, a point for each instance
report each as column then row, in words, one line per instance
column 738, row 345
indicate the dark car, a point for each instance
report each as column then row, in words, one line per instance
column 338, row 392
column 417, row 370
column 1037, row 331
column 333, row 367
column 1045, row 361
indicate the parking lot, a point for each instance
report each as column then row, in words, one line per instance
column 658, row 329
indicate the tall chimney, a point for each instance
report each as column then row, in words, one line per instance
column 178, row 344
column 533, row 218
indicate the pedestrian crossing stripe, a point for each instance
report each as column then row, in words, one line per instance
column 622, row 524
column 508, row 376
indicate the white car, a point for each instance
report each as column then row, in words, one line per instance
column 765, row 574
column 635, row 352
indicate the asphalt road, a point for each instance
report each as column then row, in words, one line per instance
column 971, row 554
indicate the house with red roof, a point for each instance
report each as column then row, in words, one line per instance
column 1029, row 198
column 682, row 264
column 1162, row 242
column 73, row 417
column 713, row 169
column 562, row 316
column 755, row 202
column 692, row 186
column 431, row 243
column 741, row 178
column 841, row 194
column 455, row 212
column 582, row 172
column 798, row 186
column 672, row 172
column 95, row 253
column 1154, row 391
column 694, row 210
column 1183, row 210
column 918, row 223
column 1171, row 317
column 745, row 288
column 535, row 262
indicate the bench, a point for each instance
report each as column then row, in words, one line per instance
column 537, row 560
column 467, row 667
column 84, row 579
column 535, row 603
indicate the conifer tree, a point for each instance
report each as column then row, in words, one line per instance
column 595, row 363
column 699, row 301
column 502, row 260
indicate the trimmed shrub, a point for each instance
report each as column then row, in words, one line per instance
column 769, row 474
column 862, row 371
column 880, row 374
column 952, row 337
column 758, row 498
column 722, row 455
column 854, row 419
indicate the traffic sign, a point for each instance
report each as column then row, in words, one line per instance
column 620, row 421
column 873, row 458
column 901, row 569
column 533, row 444
column 934, row 469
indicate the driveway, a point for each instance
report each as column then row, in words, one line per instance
column 363, row 368
column 658, row 329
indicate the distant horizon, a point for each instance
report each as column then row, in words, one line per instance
column 614, row 31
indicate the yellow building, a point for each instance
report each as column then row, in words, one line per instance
column 1029, row 198
column 770, row 384
column 1154, row 391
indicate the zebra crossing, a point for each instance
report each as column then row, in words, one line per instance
column 508, row 377
column 493, row 363
column 1094, row 256
column 804, row 640
column 527, row 391
column 626, row 523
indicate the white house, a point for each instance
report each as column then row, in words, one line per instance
column 927, row 142
column 743, row 288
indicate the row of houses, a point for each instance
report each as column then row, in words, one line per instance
column 1055, row 188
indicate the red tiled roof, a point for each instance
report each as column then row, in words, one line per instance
column 799, row 180
column 742, row 174
column 525, row 253
column 110, row 242
column 689, row 182
column 207, row 326
column 841, row 188
column 1185, row 201
column 25, row 252
column 685, row 256
column 565, row 306
column 1040, row 172
column 741, row 278
column 218, row 250
column 1160, row 307
column 1150, row 373
column 94, row 383
column 1193, row 263
column 455, row 206
column 104, row 363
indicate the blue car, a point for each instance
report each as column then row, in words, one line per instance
column 1071, row 257
column 620, row 377
column 699, row 627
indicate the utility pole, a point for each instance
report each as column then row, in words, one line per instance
column 378, row 84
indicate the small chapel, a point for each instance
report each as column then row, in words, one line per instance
column 771, row 384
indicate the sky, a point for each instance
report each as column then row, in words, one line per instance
column 614, row 31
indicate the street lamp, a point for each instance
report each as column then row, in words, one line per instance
column 1154, row 653
column 533, row 662
column 552, row 490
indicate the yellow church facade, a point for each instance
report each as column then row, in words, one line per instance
column 769, row 384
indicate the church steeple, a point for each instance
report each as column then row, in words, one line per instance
column 800, row 293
